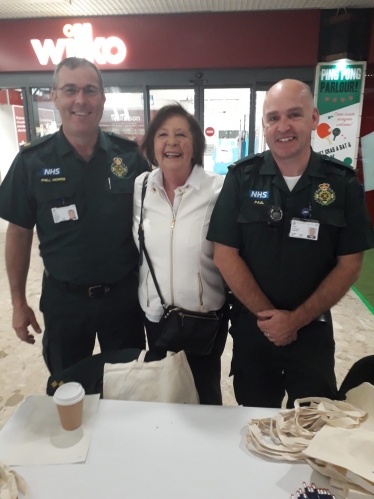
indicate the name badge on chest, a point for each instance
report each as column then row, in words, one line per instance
column 65, row 214
column 304, row 229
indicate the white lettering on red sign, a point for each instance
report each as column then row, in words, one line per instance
column 79, row 42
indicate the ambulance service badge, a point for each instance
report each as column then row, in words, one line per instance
column 118, row 168
column 324, row 195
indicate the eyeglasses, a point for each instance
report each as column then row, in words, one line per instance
column 73, row 90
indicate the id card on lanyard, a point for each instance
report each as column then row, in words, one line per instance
column 304, row 229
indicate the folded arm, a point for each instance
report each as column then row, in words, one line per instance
column 280, row 324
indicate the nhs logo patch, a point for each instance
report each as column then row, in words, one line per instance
column 51, row 172
column 259, row 194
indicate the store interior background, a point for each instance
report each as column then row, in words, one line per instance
column 216, row 58
column 226, row 118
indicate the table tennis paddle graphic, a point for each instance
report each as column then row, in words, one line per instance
column 336, row 132
column 324, row 132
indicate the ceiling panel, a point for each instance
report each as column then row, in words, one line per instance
column 17, row 9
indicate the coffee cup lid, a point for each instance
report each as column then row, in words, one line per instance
column 69, row 394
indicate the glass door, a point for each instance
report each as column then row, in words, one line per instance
column 226, row 126
column 47, row 118
column 123, row 113
column 13, row 131
column 162, row 97
column 260, row 144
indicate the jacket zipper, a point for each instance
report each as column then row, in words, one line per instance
column 146, row 283
column 200, row 291
column 171, row 259
column 209, row 316
column 197, row 315
column 174, row 215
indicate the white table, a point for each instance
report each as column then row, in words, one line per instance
column 143, row 450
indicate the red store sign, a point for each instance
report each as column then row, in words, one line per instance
column 79, row 42
column 143, row 42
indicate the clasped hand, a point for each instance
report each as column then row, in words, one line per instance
column 278, row 326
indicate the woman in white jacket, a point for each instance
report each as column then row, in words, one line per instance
column 178, row 204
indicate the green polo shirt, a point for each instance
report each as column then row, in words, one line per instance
column 48, row 176
column 288, row 270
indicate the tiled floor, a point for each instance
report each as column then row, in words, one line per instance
column 22, row 370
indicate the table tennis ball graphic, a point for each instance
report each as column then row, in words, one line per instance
column 324, row 132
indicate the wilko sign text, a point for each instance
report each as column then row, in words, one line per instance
column 79, row 42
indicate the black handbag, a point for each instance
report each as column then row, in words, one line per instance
column 180, row 329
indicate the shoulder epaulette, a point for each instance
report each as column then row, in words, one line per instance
column 248, row 160
column 120, row 138
column 36, row 143
column 336, row 162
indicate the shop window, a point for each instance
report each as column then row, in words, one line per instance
column 260, row 144
column 163, row 97
column 123, row 113
column 226, row 124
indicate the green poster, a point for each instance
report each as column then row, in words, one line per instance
column 338, row 97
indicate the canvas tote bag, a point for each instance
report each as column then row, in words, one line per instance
column 346, row 455
column 166, row 380
column 334, row 437
column 287, row 435
column 11, row 483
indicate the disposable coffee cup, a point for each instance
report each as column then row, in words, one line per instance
column 69, row 401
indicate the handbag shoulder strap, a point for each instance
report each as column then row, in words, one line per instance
column 142, row 355
column 140, row 228
column 142, row 248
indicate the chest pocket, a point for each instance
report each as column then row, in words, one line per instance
column 331, row 217
column 55, row 196
column 254, row 202
column 115, row 185
column 253, row 213
column 61, row 193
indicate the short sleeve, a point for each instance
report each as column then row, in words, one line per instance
column 16, row 203
column 223, row 227
column 358, row 235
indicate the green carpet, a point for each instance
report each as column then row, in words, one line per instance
column 364, row 286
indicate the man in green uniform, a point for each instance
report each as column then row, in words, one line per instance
column 285, row 281
column 76, row 186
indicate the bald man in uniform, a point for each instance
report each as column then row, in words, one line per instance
column 285, row 283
